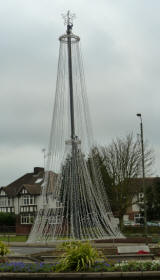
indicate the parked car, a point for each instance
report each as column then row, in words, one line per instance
column 153, row 224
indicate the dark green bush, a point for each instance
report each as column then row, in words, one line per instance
column 7, row 219
column 129, row 230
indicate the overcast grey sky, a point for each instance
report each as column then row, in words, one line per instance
column 120, row 41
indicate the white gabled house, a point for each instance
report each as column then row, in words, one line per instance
column 6, row 203
column 23, row 197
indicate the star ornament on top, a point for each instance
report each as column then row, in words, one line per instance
column 68, row 18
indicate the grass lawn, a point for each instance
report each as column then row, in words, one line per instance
column 13, row 238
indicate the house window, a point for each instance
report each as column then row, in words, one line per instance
column 140, row 197
column 59, row 204
column 25, row 209
column 59, row 219
column 9, row 202
column 27, row 219
column 24, row 191
column 28, row 200
column 3, row 193
column 5, row 201
column 55, row 220
column 139, row 218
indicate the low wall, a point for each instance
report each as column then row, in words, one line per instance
column 94, row 276
column 126, row 240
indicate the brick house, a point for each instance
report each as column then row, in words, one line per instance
column 23, row 198
column 134, row 213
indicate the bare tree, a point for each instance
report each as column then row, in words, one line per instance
column 123, row 158
column 123, row 162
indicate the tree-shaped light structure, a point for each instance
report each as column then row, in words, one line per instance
column 74, row 204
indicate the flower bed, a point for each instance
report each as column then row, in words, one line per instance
column 153, row 265
column 123, row 266
column 77, row 257
column 126, row 266
column 26, row 267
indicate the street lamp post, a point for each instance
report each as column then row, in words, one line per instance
column 143, row 173
column 44, row 156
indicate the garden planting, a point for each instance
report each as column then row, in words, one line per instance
column 77, row 257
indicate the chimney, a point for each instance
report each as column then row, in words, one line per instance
column 38, row 169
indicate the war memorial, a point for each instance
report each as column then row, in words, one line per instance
column 75, row 207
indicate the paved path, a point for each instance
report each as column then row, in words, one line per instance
column 23, row 251
column 55, row 244
column 21, row 248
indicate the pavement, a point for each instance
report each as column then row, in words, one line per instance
column 23, row 248
column 55, row 244
column 26, row 251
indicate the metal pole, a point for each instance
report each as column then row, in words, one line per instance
column 69, row 28
column 44, row 156
column 143, row 174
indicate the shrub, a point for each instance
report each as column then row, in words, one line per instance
column 78, row 256
column 4, row 250
column 7, row 219
column 139, row 230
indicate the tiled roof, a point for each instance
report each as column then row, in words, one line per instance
column 33, row 189
column 28, row 181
